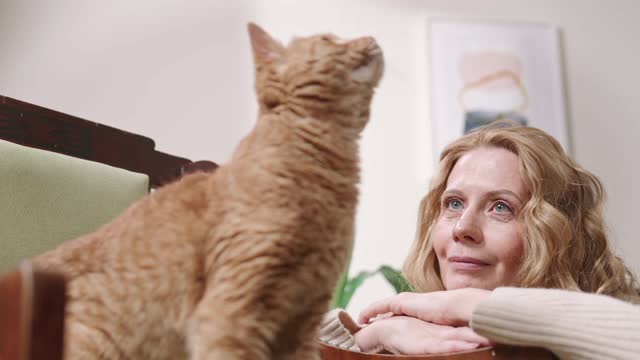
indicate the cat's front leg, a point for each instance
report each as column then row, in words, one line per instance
column 215, row 335
column 308, row 351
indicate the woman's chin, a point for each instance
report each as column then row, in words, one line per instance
column 470, row 283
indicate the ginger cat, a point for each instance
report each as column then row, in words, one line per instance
column 240, row 263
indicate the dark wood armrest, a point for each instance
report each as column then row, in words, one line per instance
column 31, row 314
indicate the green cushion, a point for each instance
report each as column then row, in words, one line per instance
column 46, row 198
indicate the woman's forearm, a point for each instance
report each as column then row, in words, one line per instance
column 571, row 324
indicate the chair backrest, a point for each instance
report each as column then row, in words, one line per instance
column 46, row 198
column 42, row 128
column 62, row 176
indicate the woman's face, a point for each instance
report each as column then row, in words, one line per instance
column 478, row 238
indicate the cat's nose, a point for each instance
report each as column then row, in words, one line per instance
column 370, row 41
column 369, row 44
column 372, row 49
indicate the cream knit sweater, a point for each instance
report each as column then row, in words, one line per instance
column 573, row 325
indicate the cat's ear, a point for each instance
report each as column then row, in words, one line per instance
column 265, row 48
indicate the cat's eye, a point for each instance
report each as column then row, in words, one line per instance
column 270, row 100
column 271, row 104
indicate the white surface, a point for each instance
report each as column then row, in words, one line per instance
column 180, row 72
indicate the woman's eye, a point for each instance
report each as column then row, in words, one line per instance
column 503, row 208
column 454, row 204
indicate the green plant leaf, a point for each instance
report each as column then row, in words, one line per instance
column 350, row 286
column 339, row 291
column 396, row 279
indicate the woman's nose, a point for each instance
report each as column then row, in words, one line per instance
column 468, row 227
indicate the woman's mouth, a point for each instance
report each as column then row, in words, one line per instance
column 466, row 263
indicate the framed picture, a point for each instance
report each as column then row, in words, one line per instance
column 483, row 71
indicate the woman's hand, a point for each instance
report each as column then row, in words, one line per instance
column 453, row 307
column 411, row 336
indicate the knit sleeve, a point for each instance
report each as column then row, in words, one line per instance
column 337, row 329
column 571, row 324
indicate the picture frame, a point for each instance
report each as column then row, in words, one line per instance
column 482, row 71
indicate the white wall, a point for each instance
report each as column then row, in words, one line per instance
column 180, row 73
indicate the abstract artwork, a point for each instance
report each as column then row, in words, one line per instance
column 485, row 71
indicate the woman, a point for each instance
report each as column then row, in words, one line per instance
column 507, row 207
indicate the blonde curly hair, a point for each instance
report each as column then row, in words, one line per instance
column 565, row 242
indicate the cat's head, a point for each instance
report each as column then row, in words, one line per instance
column 317, row 75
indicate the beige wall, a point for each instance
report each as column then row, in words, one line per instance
column 180, row 72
